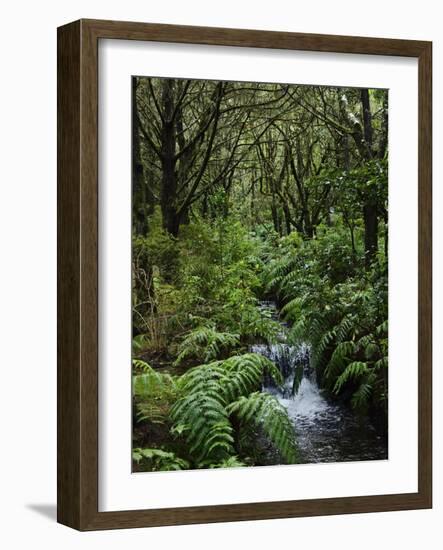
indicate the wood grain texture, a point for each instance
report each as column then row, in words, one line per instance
column 68, row 275
column 78, row 272
column 425, row 273
column 254, row 38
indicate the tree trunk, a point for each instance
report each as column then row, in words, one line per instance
column 371, row 232
column 370, row 211
column 287, row 218
column 275, row 217
column 384, row 139
column 168, row 199
column 139, row 187
column 367, row 119
column 143, row 198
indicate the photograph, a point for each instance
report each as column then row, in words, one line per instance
column 259, row 274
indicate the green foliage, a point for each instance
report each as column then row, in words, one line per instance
column 242, row 193
column 202, row 417
column 298, row 375
column 158, row 460
column 150, row 382
column 210, row 296
column 340, row 308
column 158, row 245
column 205, row 344
column 353, row 371
column 153, row 393
column 369, row 180
column 201, row 414
column 245, row 372
column 230, row 462
column 220, row 277
column 196, row 409
column 264, row 410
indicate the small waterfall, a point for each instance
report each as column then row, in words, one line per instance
column 292, row 362
column 325, row 431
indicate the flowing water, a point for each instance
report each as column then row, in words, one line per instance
column 326, row 431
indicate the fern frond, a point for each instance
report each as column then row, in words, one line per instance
column 344, row 328
column 339, row 358
column 152, row 412
column 230, row 462
column 157, row 459
column 277, row 270
column 298, row 332
column 142, row 365
column 381, row 363
column 353, row 371
column 208, row 430
column 360, row 398
column 298, row 376
column 206, row 391
column 264, row 410
column 139, row 343
column 322, row 346
column 151, row 383
column 382, row 329
column 206, row 344
column 292, row 309
column 244, row 373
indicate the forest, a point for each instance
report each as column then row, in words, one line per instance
column 259, row 274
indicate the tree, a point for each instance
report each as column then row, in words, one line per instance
column 185, row 125
column 349, row 115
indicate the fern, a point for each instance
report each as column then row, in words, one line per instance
column 353, row 371
column 293, row 309
column 361, row 396
column 298, row 332
column 230, row 378
column 277, row 271
column 201, row 414
column 264, row 410
column 230, row 462
column 152, row 412
column 256, row 326
column 371, row 350
column 139, row 343
column 244, row 374
column 153, row 392
column 344, row 324
column 143, row 366
column 344, row 328
column 382, row 328
column 151, row 383
column 298, row 376
column 339, row 358
column 206, row 344
column 157, row 459
column 381, row 363
column 323, row 344
column 206, row 426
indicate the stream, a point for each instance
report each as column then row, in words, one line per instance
column 326, row 431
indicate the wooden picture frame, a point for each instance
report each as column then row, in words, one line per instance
column 78, row 274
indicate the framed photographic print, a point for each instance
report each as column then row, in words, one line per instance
column 244, row 275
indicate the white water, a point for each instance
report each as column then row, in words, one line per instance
column 307, row 403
